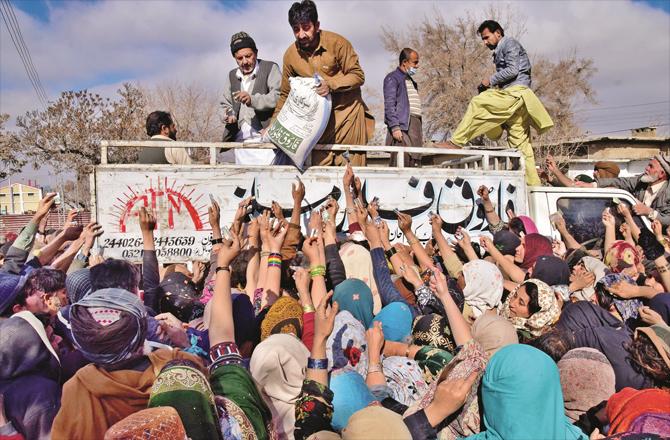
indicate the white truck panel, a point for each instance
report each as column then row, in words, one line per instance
column 180, row 197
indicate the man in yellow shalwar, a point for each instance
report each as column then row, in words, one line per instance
column 507, row 101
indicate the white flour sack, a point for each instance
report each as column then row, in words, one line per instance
column 301, row 121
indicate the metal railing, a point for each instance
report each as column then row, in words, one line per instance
column 476, row 159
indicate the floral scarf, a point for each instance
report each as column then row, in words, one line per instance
column 549, row 312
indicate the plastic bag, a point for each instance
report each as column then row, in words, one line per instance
column 301, row 121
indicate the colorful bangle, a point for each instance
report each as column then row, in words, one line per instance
column 317, row 364
column 317, row 271
column 225, row 353
column 274, row 260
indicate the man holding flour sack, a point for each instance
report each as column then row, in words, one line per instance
column 333, row 59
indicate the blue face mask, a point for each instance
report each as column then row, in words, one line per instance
column 411, row 71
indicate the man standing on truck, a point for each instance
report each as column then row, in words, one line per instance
column 402, row 106
column 506, row 100
column 249, row 98
column 332, row 57
column 161, row 127
column 650, row 189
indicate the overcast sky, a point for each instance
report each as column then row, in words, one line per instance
column 100, row 44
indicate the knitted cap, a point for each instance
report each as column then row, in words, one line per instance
column 242, row 40
column 664, row 160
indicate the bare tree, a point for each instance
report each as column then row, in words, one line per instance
column 454, row 61
column 67, row 133
column 11, row 159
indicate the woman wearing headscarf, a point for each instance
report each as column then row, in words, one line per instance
column 532, row 308
column 585, row 324
column 582, row 285
column 358, row 265
column 182, row 386
column 162, row 422
column 30, row 372
column 516, row 379
column 109, row 328
column 241, row 407
column 587, row 379
column 346, row 346
column 483, row 291
column 622, row 257
column 639, row 411
column 278, row 367
column 624, row 309
column 355, row 297
column 531, row 248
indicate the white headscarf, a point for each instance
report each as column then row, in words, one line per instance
column 483, row 286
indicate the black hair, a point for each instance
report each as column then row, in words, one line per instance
column 156, row 120
column 40, row 280
column 555, row 343
column 405, row 54
column 303, row 12
column 115, row 274
column 492, row 26
column 647, row 360
column 533, row 294
column 516, row 226
column 603, row 297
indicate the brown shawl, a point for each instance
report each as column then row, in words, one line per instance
column 95, row 399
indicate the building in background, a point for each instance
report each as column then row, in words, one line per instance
column 631, row 153
column 19, row 198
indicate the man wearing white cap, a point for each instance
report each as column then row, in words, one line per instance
column 650, row 189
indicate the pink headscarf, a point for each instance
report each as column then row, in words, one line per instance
column 528, row 224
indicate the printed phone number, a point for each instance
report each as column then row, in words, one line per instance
column 159, row 242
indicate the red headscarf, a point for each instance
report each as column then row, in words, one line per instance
column 536, row 245
column 629, row 404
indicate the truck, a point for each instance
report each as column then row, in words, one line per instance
column 180, row 195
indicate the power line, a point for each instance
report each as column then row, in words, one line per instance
column 26, row 49
column 5, row 6
column 620, row 106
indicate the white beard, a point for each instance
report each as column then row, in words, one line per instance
column 648, row 178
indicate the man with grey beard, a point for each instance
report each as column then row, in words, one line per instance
column 650, row 189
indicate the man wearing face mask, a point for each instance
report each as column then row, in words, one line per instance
column 650, row 189
column 505, row 101
column 402, row 106
column 334, row 59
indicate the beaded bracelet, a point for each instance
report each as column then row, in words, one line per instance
column 317, row 364
column 317, row 271
column 274, row 260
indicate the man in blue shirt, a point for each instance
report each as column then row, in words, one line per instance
column 402, row 106
column 505, row 100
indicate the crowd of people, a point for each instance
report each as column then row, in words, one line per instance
column 338, row 333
